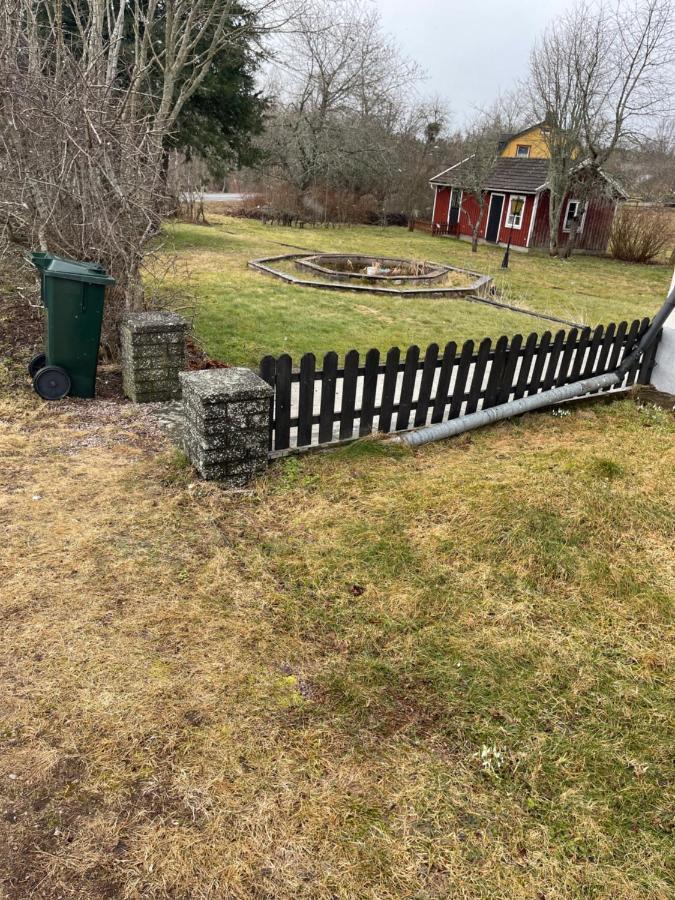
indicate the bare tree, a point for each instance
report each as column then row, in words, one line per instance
column 342, row 85
column 89, row 90
column 647, row 167
column 596, row 76
column 482, row 146
column 419, row 148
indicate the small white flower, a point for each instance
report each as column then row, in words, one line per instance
column 492, row 759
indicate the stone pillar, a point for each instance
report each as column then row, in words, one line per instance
column 153, row 355
column 227, row 414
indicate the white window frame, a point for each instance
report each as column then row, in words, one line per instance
column 572, row 200
column 508, row 223
column 527, row 147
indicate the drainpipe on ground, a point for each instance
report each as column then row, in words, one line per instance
column 664, row 319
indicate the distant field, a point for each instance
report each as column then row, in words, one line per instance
column 242, row 315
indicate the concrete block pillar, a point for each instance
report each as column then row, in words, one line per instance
column 153, row 355
column 226, row 423
column 663, row 375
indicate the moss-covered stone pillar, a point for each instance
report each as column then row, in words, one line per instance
column 226, row 434
column 153, row 355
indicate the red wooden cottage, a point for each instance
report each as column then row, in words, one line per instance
column 517, row 200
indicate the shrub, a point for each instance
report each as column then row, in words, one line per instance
column 639, row 235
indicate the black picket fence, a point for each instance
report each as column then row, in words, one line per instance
column 313, row 407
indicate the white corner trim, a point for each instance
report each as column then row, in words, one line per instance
column 535, row 210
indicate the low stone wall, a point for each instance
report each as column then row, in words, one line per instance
column 153, row 355
column 227, row 414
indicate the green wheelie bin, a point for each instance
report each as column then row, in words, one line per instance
column 72, row 296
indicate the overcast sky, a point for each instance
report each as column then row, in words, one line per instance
column 471, row 49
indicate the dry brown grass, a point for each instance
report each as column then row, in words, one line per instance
column 283, row 693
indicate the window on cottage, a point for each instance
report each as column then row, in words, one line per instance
column 523, row 150
column 574, row 211
column 514, row 216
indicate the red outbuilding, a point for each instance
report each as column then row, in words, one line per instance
column 516, row 203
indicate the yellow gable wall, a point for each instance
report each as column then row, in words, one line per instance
column 535, row 138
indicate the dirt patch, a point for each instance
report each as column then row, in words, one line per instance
column 198, row 358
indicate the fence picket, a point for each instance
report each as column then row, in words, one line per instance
column 427, row 383
column 513, row 356
column 540, row 359
column 552, row 365
column 369, row 392
column 478, row 373
column 619, row 339
column 647, row 364
column 460, row 382
column 389, row 389
column 349, row 383
column 496, row 372
column 306, row 399
column 567, row 357
column 443, row 385
column 282, row 416
column 525, row 366
column 412, row 358
column 635, row 368
column 605, row 349
column 330, row 366
column 593, row 350
column 629, row 343
column 268, row 368
column 584, row 341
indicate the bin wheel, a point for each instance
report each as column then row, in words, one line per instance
column 52, row 383
column 37, row 362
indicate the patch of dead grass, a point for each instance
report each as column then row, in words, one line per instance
column 284, row 693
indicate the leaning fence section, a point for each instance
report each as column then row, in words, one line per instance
column 340, row 401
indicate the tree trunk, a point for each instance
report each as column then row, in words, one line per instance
column 474, row 240
column 571, row 240
column 555, row 210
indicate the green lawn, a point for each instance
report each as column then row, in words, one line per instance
column 241, row 315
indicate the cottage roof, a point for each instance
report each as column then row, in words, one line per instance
column 518, row 176
column 513, row 174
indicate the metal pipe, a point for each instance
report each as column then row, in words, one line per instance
column 508, row 410
column 463, row 424
column 652, row 332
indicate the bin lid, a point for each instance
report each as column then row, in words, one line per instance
column 60, row 267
